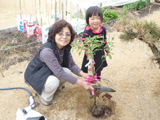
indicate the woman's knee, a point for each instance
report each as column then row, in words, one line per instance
column 52, row 83
column 67, row 70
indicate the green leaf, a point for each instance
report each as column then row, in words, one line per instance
column 103, row 57
column 110, row 56
column 72, row 49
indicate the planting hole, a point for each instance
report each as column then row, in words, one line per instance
column 101, row 111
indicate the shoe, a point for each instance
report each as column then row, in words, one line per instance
column 45, row 103
column 61, row 87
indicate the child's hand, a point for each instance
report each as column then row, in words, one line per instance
column 92, row 64
column 85, row 75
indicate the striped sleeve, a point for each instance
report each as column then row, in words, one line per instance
column 72, row 66
column 85, row 35
column 49, row 58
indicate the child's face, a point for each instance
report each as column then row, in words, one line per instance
column 95, row 22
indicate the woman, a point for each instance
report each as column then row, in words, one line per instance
column 52, row 65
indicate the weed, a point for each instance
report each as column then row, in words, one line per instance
column 109, row 15
column 136, row 5
column 125, row 11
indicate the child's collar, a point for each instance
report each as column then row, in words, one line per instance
column 100, row 27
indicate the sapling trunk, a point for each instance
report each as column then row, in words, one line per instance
column 92, row 56
column 94, row 90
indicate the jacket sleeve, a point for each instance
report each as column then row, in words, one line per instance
column 72, row 65
column 49, row 58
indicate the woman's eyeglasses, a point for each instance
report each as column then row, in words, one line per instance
column 67, row 35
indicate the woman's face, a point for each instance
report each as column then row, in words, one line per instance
column 63, row 38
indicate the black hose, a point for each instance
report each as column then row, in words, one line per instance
column 17, row 88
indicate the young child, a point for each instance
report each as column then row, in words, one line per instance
column 94, row 18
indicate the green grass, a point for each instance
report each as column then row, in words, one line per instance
column 109, row 15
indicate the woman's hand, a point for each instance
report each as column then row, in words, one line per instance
column 88, row 86
column 83, row 74
column 85, row 84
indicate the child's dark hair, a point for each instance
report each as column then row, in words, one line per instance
column 93, row 10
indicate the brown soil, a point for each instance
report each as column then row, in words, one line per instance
column 130, row 72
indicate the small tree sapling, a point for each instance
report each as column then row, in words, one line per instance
column 91, row 45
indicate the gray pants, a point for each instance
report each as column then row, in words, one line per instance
column 52, row 84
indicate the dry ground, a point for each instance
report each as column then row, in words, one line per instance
column 130, row 72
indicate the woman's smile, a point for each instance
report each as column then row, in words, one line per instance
column 63, row 38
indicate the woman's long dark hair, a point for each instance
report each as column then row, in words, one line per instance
column 57, row 27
